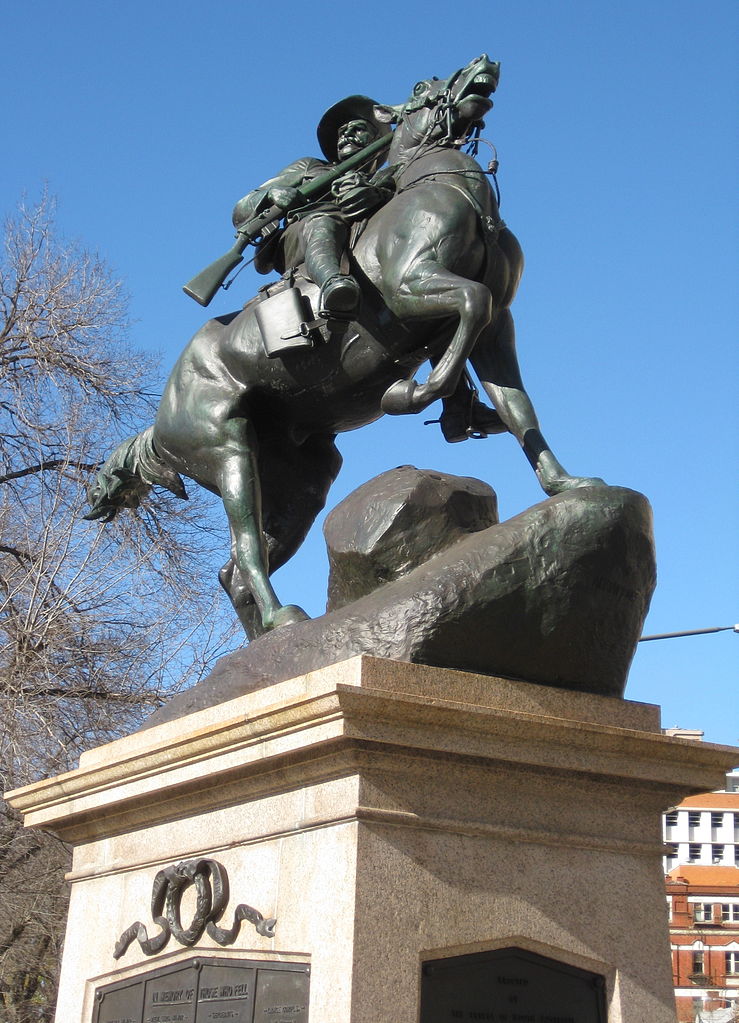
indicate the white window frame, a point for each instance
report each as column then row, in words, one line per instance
column 703, row 912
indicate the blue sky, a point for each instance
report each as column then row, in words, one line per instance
column 616, row 132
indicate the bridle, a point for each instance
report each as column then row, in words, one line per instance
column 442, row 105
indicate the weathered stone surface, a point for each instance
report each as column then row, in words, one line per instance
column 397, row 521
column 506, row 810
column 556, row 595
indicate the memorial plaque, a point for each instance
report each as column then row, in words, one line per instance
column 208, row 990
column 226, row 993
column 170, row 997
column 509, row 985
column 281, row 998
column 123, row 1005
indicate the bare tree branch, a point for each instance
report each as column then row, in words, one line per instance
column 53, row 463
column 98, row 625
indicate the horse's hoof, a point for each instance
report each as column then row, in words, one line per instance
column 290, row 614
column 398, row 398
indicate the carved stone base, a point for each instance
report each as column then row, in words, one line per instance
column 385, row 814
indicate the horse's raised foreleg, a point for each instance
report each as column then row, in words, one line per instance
column 496, row 364
column 237, row 479
column 433, row 292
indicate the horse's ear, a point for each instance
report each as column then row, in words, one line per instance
column 387, row 115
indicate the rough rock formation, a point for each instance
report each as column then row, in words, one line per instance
column 397, row 521
column 556, row 595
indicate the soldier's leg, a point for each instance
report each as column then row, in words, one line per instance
column 325, row 237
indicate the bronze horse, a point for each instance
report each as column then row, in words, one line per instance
column 438, row 271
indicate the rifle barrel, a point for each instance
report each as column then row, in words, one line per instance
column 204, row 285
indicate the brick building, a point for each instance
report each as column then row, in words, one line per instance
column 702, row 867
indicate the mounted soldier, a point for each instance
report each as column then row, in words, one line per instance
column 318, row 233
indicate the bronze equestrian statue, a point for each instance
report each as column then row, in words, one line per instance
column 255, row 422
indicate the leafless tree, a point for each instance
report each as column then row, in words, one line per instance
column 98, row 624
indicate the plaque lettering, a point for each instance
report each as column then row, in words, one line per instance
column 207, row 990
column 509, row 985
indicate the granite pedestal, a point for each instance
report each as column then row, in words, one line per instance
column 386, row 814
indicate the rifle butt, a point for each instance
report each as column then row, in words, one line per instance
column 204, row 285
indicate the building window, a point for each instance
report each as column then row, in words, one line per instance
column 671, row 819
column 732, row 963
column 694, row 818
column 703, row 911
column 694, row 853
column 730, row 912
column 670, row 858
column 698, row 961
column 717, row 819
column 717, row 853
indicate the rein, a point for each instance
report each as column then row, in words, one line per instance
column 443, row 107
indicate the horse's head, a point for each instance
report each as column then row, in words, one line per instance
column 447, row 109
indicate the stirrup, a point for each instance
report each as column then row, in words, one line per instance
column 456, row 427
column 476, row 422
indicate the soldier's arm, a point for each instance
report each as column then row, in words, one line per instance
column 291, row 177
column 359, row 195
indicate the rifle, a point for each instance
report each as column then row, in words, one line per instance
column 205, row 284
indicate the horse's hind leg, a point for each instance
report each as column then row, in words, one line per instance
column 241, row 598
column 295, row 481
column 495, row 361
column 237, row 479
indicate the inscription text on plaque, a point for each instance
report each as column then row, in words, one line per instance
column 208, row 990
column 509, row 985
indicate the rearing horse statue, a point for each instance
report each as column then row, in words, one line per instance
column 438, row 270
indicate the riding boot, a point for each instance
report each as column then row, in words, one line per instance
column 464, row 415
column 325, row 239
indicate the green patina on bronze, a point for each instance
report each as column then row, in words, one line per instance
column 435, row 270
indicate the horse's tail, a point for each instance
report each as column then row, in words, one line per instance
column 128, row 474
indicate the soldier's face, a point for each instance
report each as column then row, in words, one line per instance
column 353, row 136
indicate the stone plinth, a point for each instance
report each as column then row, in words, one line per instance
column 387, row 813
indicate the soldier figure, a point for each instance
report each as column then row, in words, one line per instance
column 318, row 234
